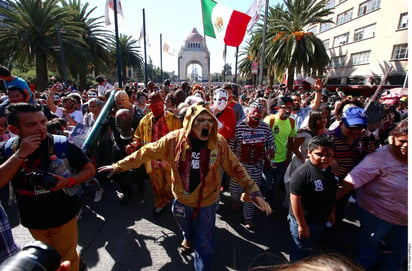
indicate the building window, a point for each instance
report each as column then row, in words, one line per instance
column 400, row 51
column 325, row 26
column 365, row 32
column 360, row 58
column 313, row 29
column 341, row 40
column 326, row 43
column 403, row 21
column 330, row 4
column 368, row 6
column 337, row 61
column 344, row 17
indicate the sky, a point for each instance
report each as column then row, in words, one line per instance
column 175, row 21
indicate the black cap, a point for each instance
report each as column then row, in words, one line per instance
column 284, row 101
column 99, row 79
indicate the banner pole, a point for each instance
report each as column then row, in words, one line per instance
column 207, row 58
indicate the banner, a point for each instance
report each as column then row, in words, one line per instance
column 224, row 23
column 141, row 39
column 168, row 49
column 109, row 13
column 254, row 12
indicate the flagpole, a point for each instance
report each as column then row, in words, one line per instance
column 161, row 62
column 118, row 56
column 144, row 41
column 236, row 59
column 207, row 60
column 262, row 56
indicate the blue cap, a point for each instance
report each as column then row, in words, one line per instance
column 354, row 117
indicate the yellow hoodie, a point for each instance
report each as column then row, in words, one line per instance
column 173, row 146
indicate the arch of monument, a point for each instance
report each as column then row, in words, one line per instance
column 194, row 51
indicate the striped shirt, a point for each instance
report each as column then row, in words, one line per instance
column 251, row 145
column 347, row 156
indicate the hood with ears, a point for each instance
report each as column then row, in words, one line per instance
column 192, row 113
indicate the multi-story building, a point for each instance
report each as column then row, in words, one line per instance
column 365, row 39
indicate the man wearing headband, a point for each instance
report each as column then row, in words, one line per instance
column 253, row 142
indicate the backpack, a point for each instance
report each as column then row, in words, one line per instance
column 59, row 148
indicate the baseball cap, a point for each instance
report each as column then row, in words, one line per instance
column 354, row 117
column 99, row 79
column 284, row 101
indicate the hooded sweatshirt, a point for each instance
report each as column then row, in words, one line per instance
column 174, row 147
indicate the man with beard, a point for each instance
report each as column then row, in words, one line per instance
column 195, row 153
column 68, row 111
column 284, row 129
column 252, row 142
column 151, row 128
column 48, row 212
column 300, row 113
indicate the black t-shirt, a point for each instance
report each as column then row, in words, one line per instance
column 197, row 145
column 46, row 210
column 317, row 189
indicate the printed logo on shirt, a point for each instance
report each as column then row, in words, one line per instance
column 195, row 160
column 253, row 137
column 318, row 185
column 276, row 129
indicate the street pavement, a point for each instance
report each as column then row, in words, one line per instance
column 115, row 236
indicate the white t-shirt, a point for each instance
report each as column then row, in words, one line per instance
column 103, row 89
column 77, row 115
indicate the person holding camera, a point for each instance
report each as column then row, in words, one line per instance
column 45, row 209
column 69, row 111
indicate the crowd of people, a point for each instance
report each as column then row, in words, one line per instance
column 306, row 151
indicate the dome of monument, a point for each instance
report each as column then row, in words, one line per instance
column 194, row 36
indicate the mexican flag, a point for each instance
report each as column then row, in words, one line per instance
column 224, row 23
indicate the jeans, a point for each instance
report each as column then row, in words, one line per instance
column 301, row 248
column 372, row 231
column 274, row 182
column 200, row 230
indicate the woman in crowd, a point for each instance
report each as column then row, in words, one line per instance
column 381, row 183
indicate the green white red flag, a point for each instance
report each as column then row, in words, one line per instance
column 224, row 23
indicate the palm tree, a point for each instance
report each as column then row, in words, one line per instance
column 288, row 46
column 254, row 50
column 95, row 52
column 248, row 56
column 29, row 33
column 130, row 55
